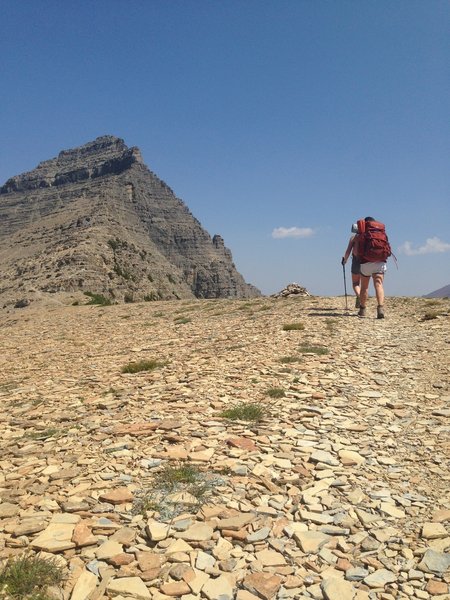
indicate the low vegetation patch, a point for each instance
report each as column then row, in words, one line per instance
column 176, row 489
column 330, row 324
column 97, row 299
column 172, row 475
column 287, row 360
column 293, row 327
column 43, row 435
column 29, row 577
column 142, row 365
column 430, row 315
column 182, row 320
column 276, row 392
column 245, row 411
column 433, row 302
column 313, row 350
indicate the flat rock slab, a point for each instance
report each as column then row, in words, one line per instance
column 117, row 496
column 380, row 578
column 311, row 541
column 57, row 537
column 236, row 523
column 8, row 510
column 199, row 532
column 131, row 587
column 270, row 558
column 85, row 585
column 336, row 588
column 264, row 585
column 218, row 589
column 435, row 562
column 108, row 549
column 432, row 531
column 350, row 457
column 157, row 531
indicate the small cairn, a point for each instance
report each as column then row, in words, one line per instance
column 292, row 289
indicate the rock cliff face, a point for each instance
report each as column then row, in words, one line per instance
column 95, row 219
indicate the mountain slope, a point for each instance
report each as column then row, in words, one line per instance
column 443, row 292
column 97, row 219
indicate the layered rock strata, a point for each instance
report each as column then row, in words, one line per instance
column 96, row 219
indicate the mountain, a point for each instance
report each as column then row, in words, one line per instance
column 96, row 219
column 443, row 292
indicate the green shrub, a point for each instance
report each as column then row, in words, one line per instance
column 98, row 299
column 114, row 244
column 29, row 577
column 142, row 365
column 313, row 350
column 293, row 327
column 245, row 411
column 122, row 272
column 173, row 474
column 275, row 393
column 43, row 435
column 174, row 490
column 430, row 315
column 287, row 360
column 246, row 306
column 182, row 320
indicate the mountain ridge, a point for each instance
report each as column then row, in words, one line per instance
column 443, row 292
column 96, row 219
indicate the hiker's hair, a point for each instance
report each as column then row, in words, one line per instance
column 369, row 219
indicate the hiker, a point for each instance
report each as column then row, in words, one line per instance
column 352, row 249
column 373, row 251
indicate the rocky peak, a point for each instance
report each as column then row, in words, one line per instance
column 105, row 155
column 95, row 219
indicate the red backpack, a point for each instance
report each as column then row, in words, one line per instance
column 373, row 243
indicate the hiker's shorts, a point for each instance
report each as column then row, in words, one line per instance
column 355, row 265
column 373, row 268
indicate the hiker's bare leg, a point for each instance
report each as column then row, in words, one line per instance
column 364, row 293
column 379, row 291
column 356, row 284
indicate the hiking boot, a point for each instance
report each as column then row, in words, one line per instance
column 357, row 303
column 380, row 312
column 362, row 311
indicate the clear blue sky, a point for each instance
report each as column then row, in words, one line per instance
column 296, row 116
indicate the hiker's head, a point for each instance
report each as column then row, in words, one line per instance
column 355, row 228
column 369, row 219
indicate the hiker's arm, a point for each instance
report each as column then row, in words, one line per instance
column 347, row 252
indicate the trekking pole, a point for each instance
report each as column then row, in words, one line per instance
column 345, row 287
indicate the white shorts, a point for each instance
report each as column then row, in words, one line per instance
column 373, row 268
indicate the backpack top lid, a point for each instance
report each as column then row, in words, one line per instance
column 369, row 219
